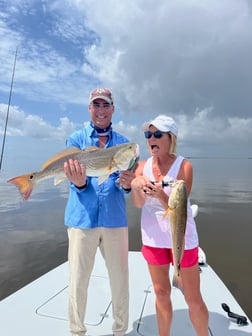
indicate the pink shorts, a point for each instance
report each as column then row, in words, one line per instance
column 163, row 256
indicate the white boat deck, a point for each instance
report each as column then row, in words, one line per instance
column 40, row 308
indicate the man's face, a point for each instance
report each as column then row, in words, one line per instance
column 101, row 112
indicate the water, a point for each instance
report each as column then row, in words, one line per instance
column 33, row 239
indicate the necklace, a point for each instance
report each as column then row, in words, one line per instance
column 158, row 173
column 159, row 170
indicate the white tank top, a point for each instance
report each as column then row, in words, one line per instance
column 156, row 229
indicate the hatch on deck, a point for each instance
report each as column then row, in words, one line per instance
column 99, row 301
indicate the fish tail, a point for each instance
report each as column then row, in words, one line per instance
column 103, row 178
column 177, row 281
column 25, row 184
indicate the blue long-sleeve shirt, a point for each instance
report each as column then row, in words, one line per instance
column 96, row 205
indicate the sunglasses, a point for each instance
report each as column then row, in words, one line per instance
column 156, row 134
column 104, row 105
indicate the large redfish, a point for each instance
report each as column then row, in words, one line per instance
column 177, row 210
column 100, row 162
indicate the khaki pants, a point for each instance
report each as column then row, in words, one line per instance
column 83, row 244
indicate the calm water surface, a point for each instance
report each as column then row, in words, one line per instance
column 33, row 237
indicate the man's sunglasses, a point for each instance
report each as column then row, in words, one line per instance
column 156, row 134
column 104, row 105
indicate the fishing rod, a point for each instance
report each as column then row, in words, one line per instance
column 163, row 183
column 8, row 109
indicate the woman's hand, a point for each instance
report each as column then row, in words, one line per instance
column 142, row 187
column 138, row 183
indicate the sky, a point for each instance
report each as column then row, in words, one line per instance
column 189, row 59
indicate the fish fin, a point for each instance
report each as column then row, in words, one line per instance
column 166, row 213
column 58, row 180
column 93, row 148
column 25, row 184
column 66, row 152
column 60, row 155
column 103, row 178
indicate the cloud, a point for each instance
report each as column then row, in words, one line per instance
column 49, row 54
column 21, row 124
column 184, row 56
column 187, row 59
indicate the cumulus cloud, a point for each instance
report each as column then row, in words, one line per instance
column 188, row 56
column 188, row 59
column 21, row 124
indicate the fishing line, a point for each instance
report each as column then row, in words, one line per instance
column 8, row 109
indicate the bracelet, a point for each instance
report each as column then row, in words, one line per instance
column 127, row 189
column 81, row 187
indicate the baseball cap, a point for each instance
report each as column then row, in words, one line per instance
column 101, row 93
column 163, row 123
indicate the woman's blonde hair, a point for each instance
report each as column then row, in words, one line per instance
column 173, row 148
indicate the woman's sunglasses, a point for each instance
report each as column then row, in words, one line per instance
column 156, row 134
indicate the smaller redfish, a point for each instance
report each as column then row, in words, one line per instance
column 177, row 210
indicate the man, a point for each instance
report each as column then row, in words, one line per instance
column 96, row 217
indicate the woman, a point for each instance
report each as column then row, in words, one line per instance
column 164, row 165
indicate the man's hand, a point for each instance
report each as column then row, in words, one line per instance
column 75, row 172
column 125, row 178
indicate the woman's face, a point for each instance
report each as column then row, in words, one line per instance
column 159, row 143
